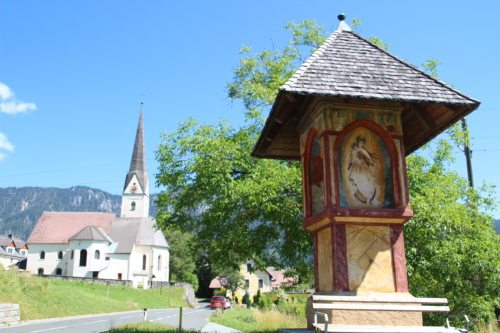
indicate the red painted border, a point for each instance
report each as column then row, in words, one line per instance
column 399, row 259
column 307, row 156
column 339, row 248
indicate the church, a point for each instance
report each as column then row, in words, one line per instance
column 101, row 245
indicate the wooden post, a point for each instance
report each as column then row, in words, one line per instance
column 180, row 319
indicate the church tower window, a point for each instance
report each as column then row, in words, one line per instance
column 132, row 205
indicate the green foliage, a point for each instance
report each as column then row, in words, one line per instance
column 431, row 66
column 451, row 248
column 182, row 258
column 237, row 207
column 146, row 327
column 256, row 321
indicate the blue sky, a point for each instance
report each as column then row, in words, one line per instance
column 73, row 73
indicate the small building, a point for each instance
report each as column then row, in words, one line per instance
column 254, row 280
column 13, row 252
column 100, row 245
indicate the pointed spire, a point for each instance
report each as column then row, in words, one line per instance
column 138, row 162
column 343, row 26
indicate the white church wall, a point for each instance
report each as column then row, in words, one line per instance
column 118, row 265
column 92, row 264
column 161, row 260
column 51, row 262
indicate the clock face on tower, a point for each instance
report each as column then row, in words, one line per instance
column 133, row 189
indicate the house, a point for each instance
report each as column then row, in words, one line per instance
column 254, row 280
column 13, row 252
column 101, row 245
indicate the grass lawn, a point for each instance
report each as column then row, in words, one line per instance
column 145, row 327
column 45, row 298
column 254, row 320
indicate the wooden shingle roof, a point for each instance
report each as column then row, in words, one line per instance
column 349, row 68
column 346, row 65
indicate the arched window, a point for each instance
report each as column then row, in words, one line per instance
column 83, row 258
column 132, row 205
column 315, row 176
column 58, row 271
column 60, row 255
column 97, row 255
column 144, row 262
column 159, row 262
column 42, row 255
column 72, row 254
column 40, row 271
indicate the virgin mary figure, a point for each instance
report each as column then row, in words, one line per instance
column 362, row 173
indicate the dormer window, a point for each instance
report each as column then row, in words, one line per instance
column 132, row 206
column 10, row 250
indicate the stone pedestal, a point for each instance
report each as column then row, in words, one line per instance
column 366, row 317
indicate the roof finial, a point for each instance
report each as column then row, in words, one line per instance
column 343, row 26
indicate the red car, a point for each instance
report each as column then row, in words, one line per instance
column 218, row 302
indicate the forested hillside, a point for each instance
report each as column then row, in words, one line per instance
column 20, row 207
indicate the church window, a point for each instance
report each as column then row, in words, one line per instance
column 132, row 205
column 97, row 255
column 144, row 262
column 159, row 262
column 83, row 258
column 58, row 271
column 60, row 255
column 72, row 254
column 40, row 271
column 42, row 255
column 119, row 276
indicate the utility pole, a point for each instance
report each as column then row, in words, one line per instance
column 467, row 152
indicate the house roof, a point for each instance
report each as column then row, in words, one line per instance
column 6, row 240
column 59, row 227
column 278, row 277
column 346, row 66
column 215, row 283
column 129, row 231
column 90, row 232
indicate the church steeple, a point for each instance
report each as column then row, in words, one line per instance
column 135, row 198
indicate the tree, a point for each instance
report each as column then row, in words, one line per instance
column 238, row 207
column 182, row 260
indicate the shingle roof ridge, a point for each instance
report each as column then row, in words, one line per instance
column 442, row 83
column 316, row 54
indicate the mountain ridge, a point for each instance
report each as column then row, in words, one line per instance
column 21, row 207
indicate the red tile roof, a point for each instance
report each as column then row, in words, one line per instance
column 58, row 227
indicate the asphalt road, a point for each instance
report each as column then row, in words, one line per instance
column 193, row 319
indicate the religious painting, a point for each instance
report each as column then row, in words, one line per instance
column 365, row 172
column 316, row 179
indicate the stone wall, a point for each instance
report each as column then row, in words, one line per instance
column 9, row 314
